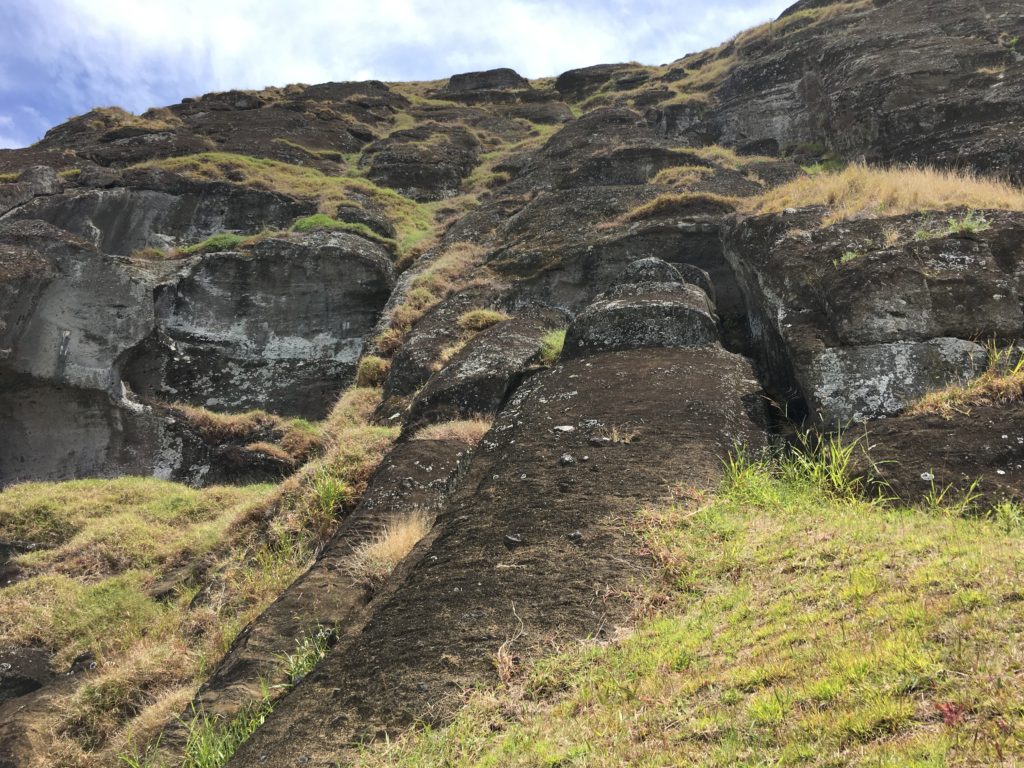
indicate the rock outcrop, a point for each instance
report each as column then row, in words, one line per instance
column 862, row 328
column 279, row 327
column 524, row 543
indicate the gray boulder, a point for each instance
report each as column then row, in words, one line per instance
column 33, row 182
column 862, row 382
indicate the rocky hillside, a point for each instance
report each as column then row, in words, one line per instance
column 330, row 410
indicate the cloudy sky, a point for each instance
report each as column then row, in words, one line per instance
column 60, row 58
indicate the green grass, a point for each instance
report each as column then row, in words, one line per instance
column 323, row 222
column 309, row 650
column 212, row 741
column 970, row 223
column 551, row 346
column 223, row 241
column 155, row 580
column 847, row 257
column 798, row 624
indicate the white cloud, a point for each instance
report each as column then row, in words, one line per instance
column 128, row 50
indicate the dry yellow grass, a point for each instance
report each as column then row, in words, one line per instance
column 105, row 118
column 378, row 557
column 152, row 578
column 476, row 320
column 861, row 191
column 673, row 203
column 683, row 175
column 372, row 371
column 1001, row 384
column 468, row 431
column 311, row 501
column 297, row 438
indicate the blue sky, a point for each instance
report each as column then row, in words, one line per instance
column 60, row 58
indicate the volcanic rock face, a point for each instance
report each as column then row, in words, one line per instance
column 949, row 91
column 863, row 328
column 596, row 205
column 278, row 328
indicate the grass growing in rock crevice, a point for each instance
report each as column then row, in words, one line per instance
column 1002, row 383
column 796, row 624
column 323, row 222
column 454, row 269
column 551, row 347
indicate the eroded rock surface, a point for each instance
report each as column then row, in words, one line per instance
column 862, row 327
column 279, row 327
column 523, row 538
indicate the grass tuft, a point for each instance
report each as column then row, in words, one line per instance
column 468, row 431
column 374, row 561
column 477, row 320
column 671, row 204
column 324, row 223
column 551, row 347
column 224, row 241
column 372, row 371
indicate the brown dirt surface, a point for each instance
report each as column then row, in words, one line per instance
column 985, row 444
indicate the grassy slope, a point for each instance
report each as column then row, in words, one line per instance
column 154, row 579
column 794, row 626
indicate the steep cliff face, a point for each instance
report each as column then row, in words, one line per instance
column 621, row 268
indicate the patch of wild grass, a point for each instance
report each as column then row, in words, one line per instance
column 860, row 190
column 310, row 649
column 223, row 241
column 683, row 175
column 672, row 203
column 372, row 371
column 798, row 624
column 476, row 320
column 468, row 431
column 155, row 580
column 551, row 347
column 313, row 500
column 374, row 560
column 452, row 270
column 292, row 439
column 323, row 222
column 1001, row 383
column 212, row 741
